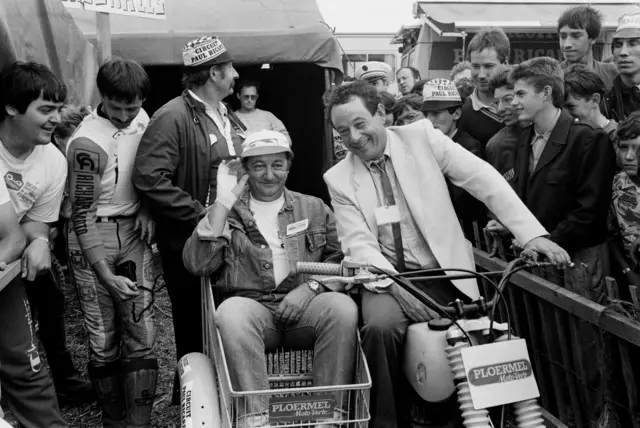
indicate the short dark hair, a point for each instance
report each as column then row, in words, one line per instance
column 358, row 89
column 459, row 68
column 501, row 79
column 249, row 84
column 582, row 17
column 494, row 38
column 21, row 83
column 388, row 101
column 70, row 119
column 410, row 100
column 583, row 83
column 123, row 79
column 541, row 72
column 414, row 71
column 629, row 128
column 418, row 87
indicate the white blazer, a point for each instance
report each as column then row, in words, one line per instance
column 422, row 156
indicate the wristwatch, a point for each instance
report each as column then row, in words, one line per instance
column 314, row 285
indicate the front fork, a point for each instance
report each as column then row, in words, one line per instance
column 528, row 414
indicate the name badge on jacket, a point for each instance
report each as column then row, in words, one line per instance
column 387, row 214
column 297, row 227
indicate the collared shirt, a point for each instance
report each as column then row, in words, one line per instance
column 482, row 107
column 539, row 142
column 221, row 119
column 417, row 252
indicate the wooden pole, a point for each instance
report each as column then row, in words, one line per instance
column 103, row 25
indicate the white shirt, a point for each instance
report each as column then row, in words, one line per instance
column 266, row 215
column 221, row 119
column 4, row 193
column 35, row 184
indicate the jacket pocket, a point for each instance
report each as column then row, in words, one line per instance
column 558, row 176
column 316, row 241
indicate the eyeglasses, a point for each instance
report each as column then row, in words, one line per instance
column 250, row 97
column 507, row 99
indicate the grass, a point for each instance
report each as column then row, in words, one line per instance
column 88, row 416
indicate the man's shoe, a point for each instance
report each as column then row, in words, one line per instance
column 75, row 391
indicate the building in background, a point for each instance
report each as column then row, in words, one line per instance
column 359, row 48
column 447, row 26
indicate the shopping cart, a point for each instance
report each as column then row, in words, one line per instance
column 293, row 399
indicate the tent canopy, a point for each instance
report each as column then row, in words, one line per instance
column 471, row 15
column 254, row 32
column 44, row 31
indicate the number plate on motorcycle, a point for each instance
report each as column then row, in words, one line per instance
column 499, row 373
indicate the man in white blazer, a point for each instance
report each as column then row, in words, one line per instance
column 417, row 217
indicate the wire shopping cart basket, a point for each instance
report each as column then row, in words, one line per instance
column 292, row 399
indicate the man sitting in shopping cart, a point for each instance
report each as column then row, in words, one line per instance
column 252, row 237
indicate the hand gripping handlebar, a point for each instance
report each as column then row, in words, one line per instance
column 350, row 271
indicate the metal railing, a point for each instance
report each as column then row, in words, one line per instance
column 584, row 354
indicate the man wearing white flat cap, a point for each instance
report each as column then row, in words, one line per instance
column 175, row 171
column 254, row 234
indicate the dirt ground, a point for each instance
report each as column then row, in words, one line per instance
column 164, row 415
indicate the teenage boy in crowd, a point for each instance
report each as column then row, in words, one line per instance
column 34, row 173
column 442, row 106
column 487, row 50
column 501, row 148
column 578, row 30
column 583, row 92
column 563, row 172
column 624, row 97
column 625, row 247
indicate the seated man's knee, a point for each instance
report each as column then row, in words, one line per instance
column 237, row 314
column 343, row 311
column 387, row 321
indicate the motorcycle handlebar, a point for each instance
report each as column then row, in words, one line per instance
column 457, row 308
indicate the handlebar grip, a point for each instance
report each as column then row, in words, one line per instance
column 319, row 268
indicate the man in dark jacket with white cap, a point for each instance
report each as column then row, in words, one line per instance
column 175, row 171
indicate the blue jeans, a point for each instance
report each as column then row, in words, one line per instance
column 248, row 330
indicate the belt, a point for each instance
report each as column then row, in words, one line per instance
column 112, row 219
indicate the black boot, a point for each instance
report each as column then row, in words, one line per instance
column 107, row 382
column 140, row 378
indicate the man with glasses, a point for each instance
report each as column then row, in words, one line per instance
column 254, row 118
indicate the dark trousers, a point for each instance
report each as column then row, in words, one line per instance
column 24, row 377
column 48, row 299
column 383, row 331
column 186, row 302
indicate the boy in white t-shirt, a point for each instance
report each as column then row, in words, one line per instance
column 34, row 174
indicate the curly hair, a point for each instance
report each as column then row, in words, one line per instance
column 346, row 93
column 629, row 128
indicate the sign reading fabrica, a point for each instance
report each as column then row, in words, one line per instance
column 499, row 373
column 154, row 9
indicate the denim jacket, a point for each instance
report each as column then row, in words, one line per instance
column 242, row 258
